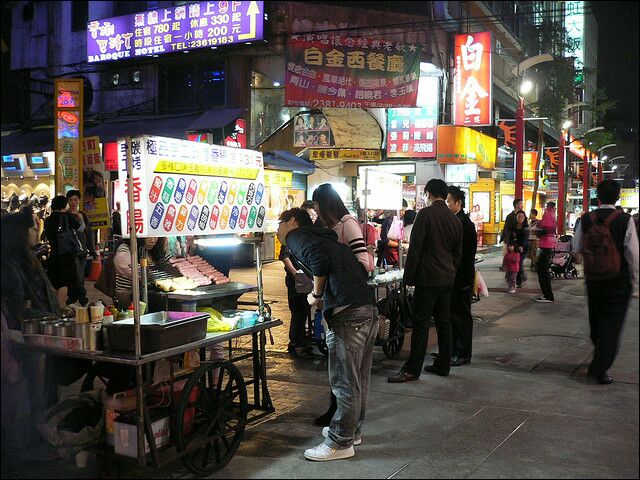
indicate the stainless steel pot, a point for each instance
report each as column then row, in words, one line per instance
column 48, row 328
column 31, row 326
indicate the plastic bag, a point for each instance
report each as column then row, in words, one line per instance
column 482, row 289
column 69, row 428
column 396, row 230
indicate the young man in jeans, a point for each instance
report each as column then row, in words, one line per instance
column 340, row 286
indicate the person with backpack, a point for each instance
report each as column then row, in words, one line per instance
column 607, row 240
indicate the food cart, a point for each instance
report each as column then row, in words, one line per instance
column 383, row 191
column 178, row 187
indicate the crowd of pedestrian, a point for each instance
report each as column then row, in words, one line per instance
column 440, row 265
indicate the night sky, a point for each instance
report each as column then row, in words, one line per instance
column 618, row 58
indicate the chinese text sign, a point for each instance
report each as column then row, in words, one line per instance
column 472, row 84
column 345, row 72
column 174, row 29
column 68, row 127
column 189, row 188
column 411, row 132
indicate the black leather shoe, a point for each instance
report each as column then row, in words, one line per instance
column 601, row 378
column 457, row 361
column 401, row 377
column 437, row 371
column 604, row 379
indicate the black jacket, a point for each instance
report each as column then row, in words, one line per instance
column 435, row 247
column 467, row 271
column 320, row 252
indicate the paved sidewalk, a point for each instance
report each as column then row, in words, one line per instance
column 521, row 409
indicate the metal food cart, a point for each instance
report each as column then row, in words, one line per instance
column 214, row 396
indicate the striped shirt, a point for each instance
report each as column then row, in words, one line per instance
column 350, row 233
column 122, row 262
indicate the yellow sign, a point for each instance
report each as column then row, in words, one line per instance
column 69, row 120
column 529, row 165
column 174, row 166
column 465, row 145
column 278, row 178
column 629, row 198
column 346, row 154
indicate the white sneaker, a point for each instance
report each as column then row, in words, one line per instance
column 324, row 453
column 512, row 290
column 325, row 434
column 543, row 300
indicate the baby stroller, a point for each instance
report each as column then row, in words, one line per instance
column 562, row 263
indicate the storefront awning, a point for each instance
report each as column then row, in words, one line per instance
column 174, row 126
column 212, row 119
column 283, row 160
column 28, row 141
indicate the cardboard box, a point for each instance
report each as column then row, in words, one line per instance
column 126, row 435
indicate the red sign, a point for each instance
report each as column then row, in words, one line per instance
column 110, row 152
column 472, row 104
column 237, row 138
column 348, row 72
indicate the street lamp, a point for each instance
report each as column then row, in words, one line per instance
column 525, row 88
column 601, row 160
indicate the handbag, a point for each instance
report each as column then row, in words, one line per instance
column 68, row 241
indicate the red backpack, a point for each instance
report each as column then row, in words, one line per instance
column 602, row 259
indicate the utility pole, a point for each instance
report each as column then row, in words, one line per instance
column 561, row 192
column 519, row 147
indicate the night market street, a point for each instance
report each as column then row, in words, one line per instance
column 523, row 407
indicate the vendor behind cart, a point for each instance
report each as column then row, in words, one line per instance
column 155, row 249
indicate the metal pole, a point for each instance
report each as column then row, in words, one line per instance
column 519, row 147
column 259, row 273
column 136, row 304
column 600, row 168
column 561, row 192
column 366, row 216
column 585, row 181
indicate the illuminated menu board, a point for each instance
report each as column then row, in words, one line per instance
column 175, row 29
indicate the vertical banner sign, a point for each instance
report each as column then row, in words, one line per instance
column 472, row 84
column 94, row 196
column 68, row 112
column 191, row 188
column 347, row 72
column 411, row 132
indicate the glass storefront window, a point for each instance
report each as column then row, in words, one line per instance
column 267, row 112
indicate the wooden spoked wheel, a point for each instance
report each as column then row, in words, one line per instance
column 211, row 417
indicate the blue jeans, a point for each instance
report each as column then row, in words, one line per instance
column 350, row 342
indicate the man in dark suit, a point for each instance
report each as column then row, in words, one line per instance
column 461, row 319
column 434, row 255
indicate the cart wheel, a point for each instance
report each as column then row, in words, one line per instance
column 211, row 416
column 393, row 346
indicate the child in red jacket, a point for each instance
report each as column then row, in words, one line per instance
column 511, row 265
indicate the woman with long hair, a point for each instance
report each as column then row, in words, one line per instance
column 156, row 251
column 27, row 383
column 335, row 216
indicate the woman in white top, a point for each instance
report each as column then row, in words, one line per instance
column 335, row 216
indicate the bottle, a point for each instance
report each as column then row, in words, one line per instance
column 130, row 311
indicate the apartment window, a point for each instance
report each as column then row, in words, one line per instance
column 79, row 16
column 191, row 86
